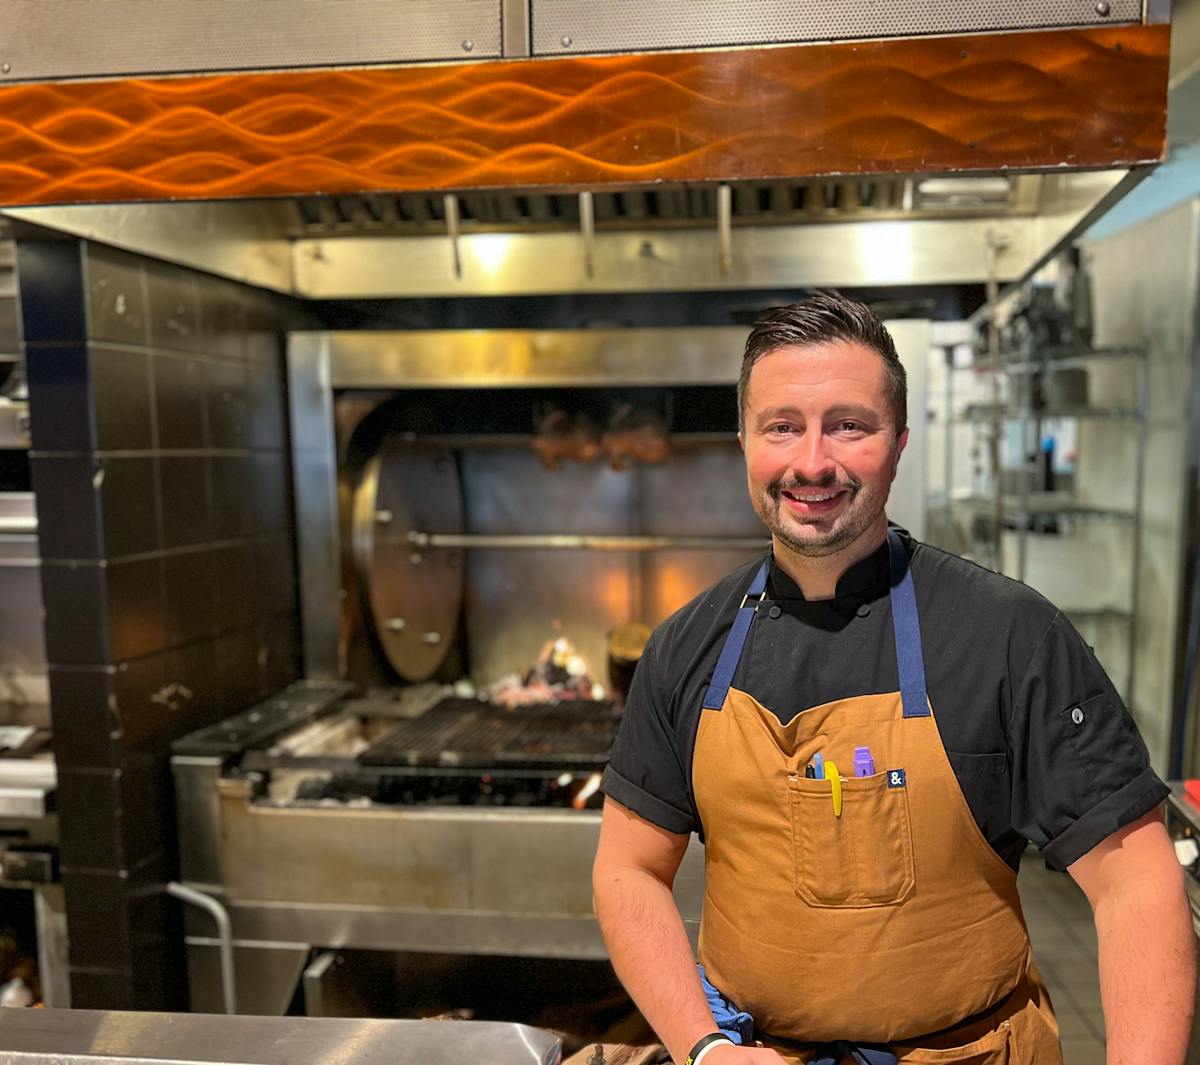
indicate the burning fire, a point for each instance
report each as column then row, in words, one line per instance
column 589, row 789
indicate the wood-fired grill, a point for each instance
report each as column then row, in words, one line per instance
column 462, row 733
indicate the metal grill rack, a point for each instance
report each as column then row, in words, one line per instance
column 461, row 733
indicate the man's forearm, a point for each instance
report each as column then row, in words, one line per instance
column 652, row 956
column 1147, row 971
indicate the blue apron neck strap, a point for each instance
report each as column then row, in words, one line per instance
column 722, row 676
column 910, row 660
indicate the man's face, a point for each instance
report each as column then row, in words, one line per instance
column 820, row 443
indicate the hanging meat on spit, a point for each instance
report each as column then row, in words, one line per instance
column 635, row 434
column 559, row 436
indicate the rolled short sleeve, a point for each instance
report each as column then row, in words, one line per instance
column 645, row 771
column 1080, row 768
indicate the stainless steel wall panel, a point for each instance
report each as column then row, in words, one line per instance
column 572, row 26
column 240, row 240
column 702, row 491
column 47, row 39
column 521, row 358
column 518, row 600
column 314, row 473
column 833, row 254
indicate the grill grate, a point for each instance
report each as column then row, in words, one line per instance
column 458, row 733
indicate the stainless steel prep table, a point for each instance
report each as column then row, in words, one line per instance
column 65, row 1037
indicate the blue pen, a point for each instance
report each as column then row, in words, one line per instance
column 818, row 762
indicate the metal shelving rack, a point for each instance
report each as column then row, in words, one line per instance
column 1021, row 511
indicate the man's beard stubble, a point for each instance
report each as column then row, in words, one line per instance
column 848, row 526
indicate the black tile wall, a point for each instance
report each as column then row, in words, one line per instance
column 223, row 319
column 141, row 700
column 60, row 397
column 159, row 420
column 234, row 581
column 227, row 404
column 50, row 280
column 183, row 488
column 232, row 506
column 67, row 505
column 172, row 293
column 179, row 394
column 191, row 593
column 116, row 296
column 90, row 801
column 128, row 501
column 137, row 616
column 268, row 402
column 270, row 493
column 276, row 584
column 97, row 923
column 92, row 507
column 76, row 606
column 87, row 725
column 121, row 395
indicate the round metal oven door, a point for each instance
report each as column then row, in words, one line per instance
column 412, row 596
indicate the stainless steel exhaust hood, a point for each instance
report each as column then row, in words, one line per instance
column 879, row 231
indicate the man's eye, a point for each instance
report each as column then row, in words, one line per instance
column 781, row 429
column 849, row 427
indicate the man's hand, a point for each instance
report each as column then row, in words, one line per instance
column 1147, row 945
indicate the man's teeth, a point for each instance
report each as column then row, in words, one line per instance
column 811, row 497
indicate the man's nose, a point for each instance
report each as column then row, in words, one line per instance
column 810, row 459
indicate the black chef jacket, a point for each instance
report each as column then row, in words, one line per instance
column 1040, row 742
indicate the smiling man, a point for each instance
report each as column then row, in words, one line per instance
column 867, row 732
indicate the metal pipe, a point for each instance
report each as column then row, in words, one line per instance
column 725, row 228
column 587, row 227
column 1139, row 505
column 993, row 336
column 23, row 525
column 450, row 207
column 580, row 542
column 224, row 934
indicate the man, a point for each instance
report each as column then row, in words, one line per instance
column 867, row 731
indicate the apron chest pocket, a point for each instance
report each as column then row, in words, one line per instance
column 861, row 859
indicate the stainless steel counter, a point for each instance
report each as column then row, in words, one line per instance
column 64, row 1037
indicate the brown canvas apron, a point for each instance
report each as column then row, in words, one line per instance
column 892, row 919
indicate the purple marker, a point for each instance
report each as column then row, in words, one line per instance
column 864, row 764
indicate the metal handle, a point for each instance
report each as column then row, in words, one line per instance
column 224, row 934
column 593, row 543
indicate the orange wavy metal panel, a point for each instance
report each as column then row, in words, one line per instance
column 1082, row 98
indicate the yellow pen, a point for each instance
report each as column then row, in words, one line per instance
column 834, row 778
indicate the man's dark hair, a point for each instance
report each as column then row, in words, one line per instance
column 818, row 320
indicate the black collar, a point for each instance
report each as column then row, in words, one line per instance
column 868, row 579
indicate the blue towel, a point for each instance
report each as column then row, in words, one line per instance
column 739, row 1026
column 735, row 1023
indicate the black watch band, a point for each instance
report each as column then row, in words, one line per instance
column 705, row 1041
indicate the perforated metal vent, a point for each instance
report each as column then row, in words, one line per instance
column 572, row 26
column 753, row 202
